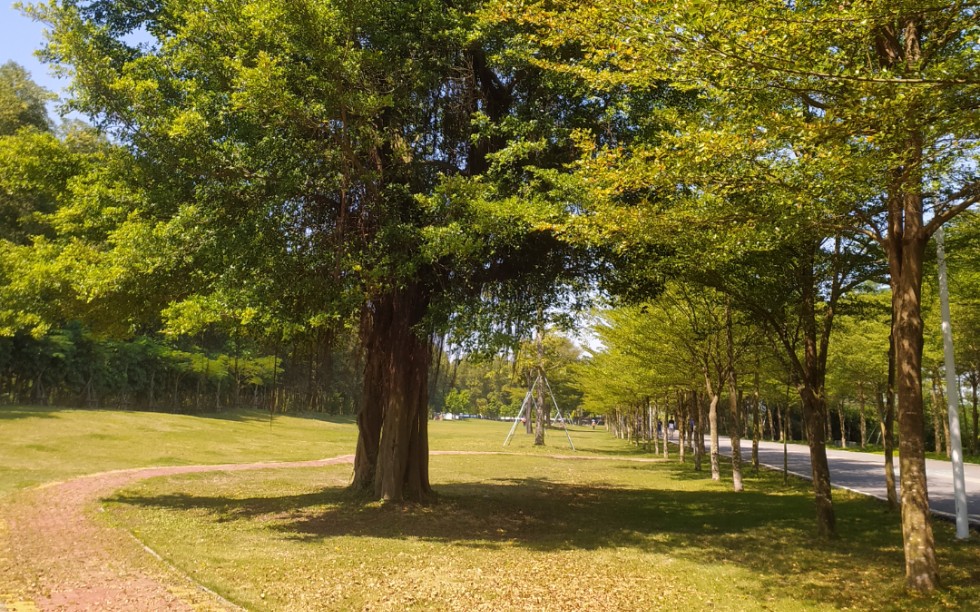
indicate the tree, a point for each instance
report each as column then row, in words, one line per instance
column 22, row 101
column 312, row 163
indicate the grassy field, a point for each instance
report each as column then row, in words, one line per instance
column 40, row 445
column 520, row 530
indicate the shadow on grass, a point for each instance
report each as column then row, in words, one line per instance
column 262, row 416
column 11, row 413
column 236, row 416
column 770, row 532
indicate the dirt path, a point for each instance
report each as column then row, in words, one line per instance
column 53, row 556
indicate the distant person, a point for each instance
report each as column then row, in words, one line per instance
column 593, row 423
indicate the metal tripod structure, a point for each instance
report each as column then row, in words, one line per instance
column 526, row 408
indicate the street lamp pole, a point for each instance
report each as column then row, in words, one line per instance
column 952, row 398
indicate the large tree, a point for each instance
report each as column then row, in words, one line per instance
column 308, row 163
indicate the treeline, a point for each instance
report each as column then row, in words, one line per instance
column 73, row 367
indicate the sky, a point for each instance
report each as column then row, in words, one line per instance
column 20, row 36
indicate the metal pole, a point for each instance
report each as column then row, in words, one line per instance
column 952, row 398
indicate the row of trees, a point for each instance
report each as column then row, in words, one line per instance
column 653, row 350
column 420, row 170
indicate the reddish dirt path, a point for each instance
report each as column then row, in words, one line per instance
column 53, row 556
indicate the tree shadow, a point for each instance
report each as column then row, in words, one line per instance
column 12, row 413
column 262, row 416
column 771, row 533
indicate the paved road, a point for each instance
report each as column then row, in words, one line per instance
column 865, row 473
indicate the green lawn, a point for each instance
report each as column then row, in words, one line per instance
column 517, row 530
column 43, row 445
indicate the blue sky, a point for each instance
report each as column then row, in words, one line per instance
column 20, row 36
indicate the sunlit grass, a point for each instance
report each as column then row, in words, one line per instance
column 44, row 445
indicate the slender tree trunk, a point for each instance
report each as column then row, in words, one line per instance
column 935, row 397
column 814, row 410
column 781, row 412
column 945, row 421
column 681, row 426
column 975, row 435
column 862, row 423
column 756, row 422
column 656, row 427
column 810, row 377
column 886, row 418
column 734, row 404
column 843, row 425
column 713, row 427
column 698, row 440
column 736, row 433
column 539, row 403
column 830, row 429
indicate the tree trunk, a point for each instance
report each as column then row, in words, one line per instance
column 734, row 404
column 656, row 427
column 814, row 410
column 756, row 423
column 811, row 374
column 886, row 420
column 830, row 429
column 681, row 426
column 935, row 396
column 393, row 422
column 539, row 400
column 735, row 434
column 713, row 427
column 843, row 425
column 976, row 415
column 906, row 248
column 698, row 433
column 862, row 422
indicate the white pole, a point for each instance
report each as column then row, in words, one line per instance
column 952, row 398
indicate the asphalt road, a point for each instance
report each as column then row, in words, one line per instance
column 865, row 473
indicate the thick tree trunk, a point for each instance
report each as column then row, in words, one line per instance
column 898, row 46
column 392, row 458
column 905, row 253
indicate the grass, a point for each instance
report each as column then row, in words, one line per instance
column 40, row 445
column 520, row 530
